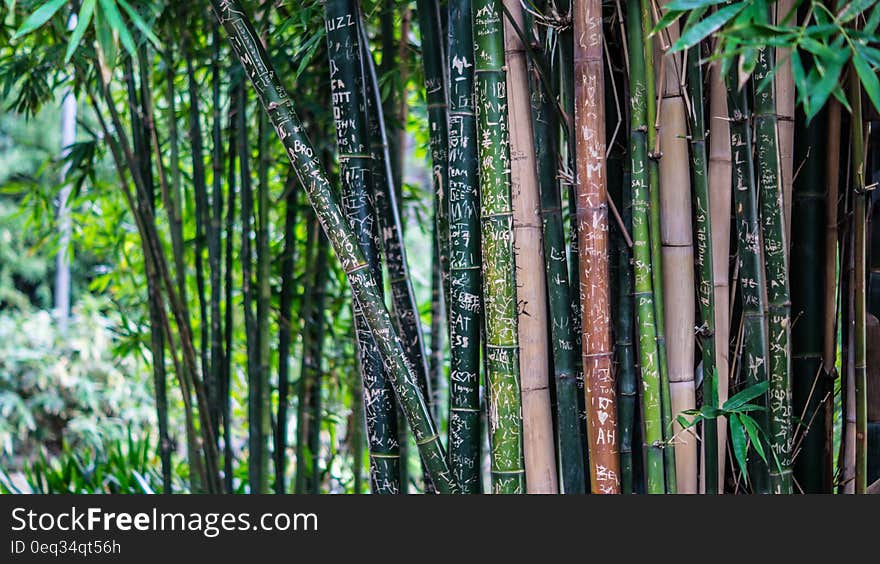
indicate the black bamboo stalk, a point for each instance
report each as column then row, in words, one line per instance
column 214, row 237
column 228, row 272
column 435, row 90
column 465, row 305
column 809, row 381
column 285, row 320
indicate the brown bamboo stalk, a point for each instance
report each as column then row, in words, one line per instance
column 677, row 251
column 785, row 94
column 531, row 284
column 719, row 201
column 829, row 354
column 592, row 220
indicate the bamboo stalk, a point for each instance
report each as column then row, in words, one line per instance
column 785, row 111
column 753, row 363
column 531, row 287
column 352, row 138
column 776, row 272
column 656, row 239
column 435, row 91
column 677, row 251
column 829, row 345
column 302, row 156
column 808, row 262
column 285, row 318
column 215, row 234
column 644, row 295
column 720, row 174
column 545, row 124
column 859, row 228
column 235, row 91
column 390, row 240
column 592, row 218
column 465, row 307
column 705, row 263
column 499, row 282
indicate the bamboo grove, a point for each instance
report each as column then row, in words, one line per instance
column 647, row 230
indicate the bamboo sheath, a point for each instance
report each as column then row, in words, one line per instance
column 719, row 211
column 499, row 282
column 302, row 156
column 592, row 219
column 676, row 237
column 531, row 284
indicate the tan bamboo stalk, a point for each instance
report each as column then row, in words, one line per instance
column 677, row 252
column 785, row 112
column 719, row 203
column 592, row 220
column 531, row 284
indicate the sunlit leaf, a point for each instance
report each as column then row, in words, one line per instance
column 40, row 16
column 703, row 28
column 83, row 21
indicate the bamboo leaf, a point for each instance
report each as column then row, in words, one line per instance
column 853, row 9
column 84, row 19
column 667, row 20
column 703, row 28
column 114, row 19
column 139, row 22
column 867, row 76
column 40, row 16
column 739, row 442
column 684, row 5
column 753, row 430
column 746, row 395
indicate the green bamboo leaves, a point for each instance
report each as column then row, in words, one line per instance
column 499, row 285
column 465, row 303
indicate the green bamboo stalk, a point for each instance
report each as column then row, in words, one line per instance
column 545, row 125
column 653, row 166
column 435, row 91
column 644, row 294
column 499, row 283
column 776, row 271
column 809, row 382
column 859, row 299
column 705, row 261
column 465, row 304
column 364, row 287
column 356, row 164
column 753, row 360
